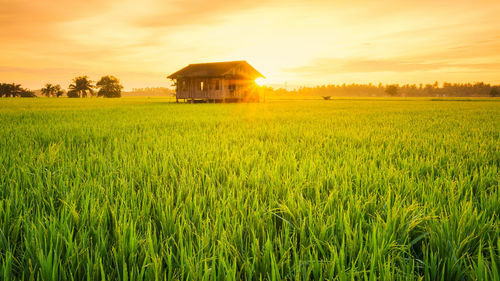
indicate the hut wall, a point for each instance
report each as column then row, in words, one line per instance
column 190, row 88
column 241, row 89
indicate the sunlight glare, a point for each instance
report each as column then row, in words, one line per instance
column 260, row 81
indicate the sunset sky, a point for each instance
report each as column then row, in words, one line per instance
column 300, row 42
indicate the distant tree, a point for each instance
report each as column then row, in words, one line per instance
column 72, row 94
column 47, row 90
column 109, row 87
column 4, row 89
column 391, row 90
column 428, row 90
column 52, row 90
column 24, row 93
column 494, row 92
column 10, row 90
column 60, row 92
column 151, row 91
column 14, row 90
column 81, row 87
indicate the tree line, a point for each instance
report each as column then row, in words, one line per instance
column 479, row 89
column 151, row 92
column 15, row 90
column 108, row 86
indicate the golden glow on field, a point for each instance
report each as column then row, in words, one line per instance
column 296, row 42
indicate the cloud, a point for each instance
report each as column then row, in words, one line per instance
column 32, row 70
column 22, row 11
column 22, row 20
column 479, row 54
column 363, row 65
column 177, row 13
column 57, row 39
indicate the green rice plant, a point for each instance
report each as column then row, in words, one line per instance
column 146, row 189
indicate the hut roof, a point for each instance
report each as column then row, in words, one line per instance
column 218, row 69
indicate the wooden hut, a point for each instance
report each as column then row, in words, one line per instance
column 231, row 81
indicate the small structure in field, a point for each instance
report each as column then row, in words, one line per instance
column 327, row 97
column 231, row 81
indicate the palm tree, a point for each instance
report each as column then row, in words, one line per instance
column 15, row 90
column 4, row 89
column 10, row 90
column 57, row 92
column 81, row 87
column 48, row 90
column 52, row 90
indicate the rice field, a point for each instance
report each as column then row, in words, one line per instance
column 146, row 189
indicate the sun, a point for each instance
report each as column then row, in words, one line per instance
column 259, row 81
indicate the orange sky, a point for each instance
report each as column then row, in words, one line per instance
column 300, row 42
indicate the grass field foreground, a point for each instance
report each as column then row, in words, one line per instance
column 146, row 189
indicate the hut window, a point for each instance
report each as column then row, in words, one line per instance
column 183, row 85
column 217, row 84
column 202, row 86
